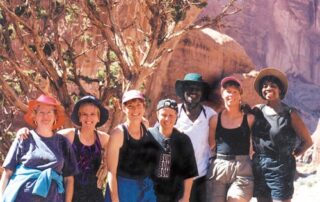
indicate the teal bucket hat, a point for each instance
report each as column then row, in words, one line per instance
column 192, row 79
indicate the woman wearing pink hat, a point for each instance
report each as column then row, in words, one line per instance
column 89, row 145
column 129, row 160
column 41, row 167
column 230, row 175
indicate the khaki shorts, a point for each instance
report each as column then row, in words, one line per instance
column 230, row 178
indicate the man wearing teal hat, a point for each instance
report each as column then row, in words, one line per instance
column 193, row 120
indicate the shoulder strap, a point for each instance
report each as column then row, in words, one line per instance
column 125, row 132
column 219, row 120
column 180, row 108
column 97, row 139
column 204, row 111
column 76, row 139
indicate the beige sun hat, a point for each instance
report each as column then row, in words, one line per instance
column 271, row 71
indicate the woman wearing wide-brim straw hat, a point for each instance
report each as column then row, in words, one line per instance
column 41, row 167
column 274, row 133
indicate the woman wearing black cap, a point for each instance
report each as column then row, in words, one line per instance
column 90, row 147
column 274, row 133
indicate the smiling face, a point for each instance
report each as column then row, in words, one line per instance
column 44, row 116
column 192, row 94
column 270, row 90
column 89, row 115
column 134, row 109
column 167, row 118
column 231, row 95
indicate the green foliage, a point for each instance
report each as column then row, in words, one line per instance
column 2, row 58
column 12, row 31
column 41, row 12
column 13, row 82
column 86, row 37
column 68, row 56
column 202, row 4
column 112, row 56
column 101, row 74
column 92, row 4
column 30, row 73
column 72, row 13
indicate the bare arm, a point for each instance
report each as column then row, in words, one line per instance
column 103, row 169
column 187, row 190
column 302, row 131
column 6, row 174
column 115, row 143
column 69, row 181
column 68, row 133
column 251, row 120
column 212, row 132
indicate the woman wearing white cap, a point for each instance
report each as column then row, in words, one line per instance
column 129, row 163
column 275, row 131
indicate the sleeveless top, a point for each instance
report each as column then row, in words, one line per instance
column 135, row 157
column 198, row 132
column 234, row 141
column 89, row 159
column 273, row 134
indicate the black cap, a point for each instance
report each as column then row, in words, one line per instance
column 167, row 103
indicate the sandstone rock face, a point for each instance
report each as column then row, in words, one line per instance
column 280, row 33
column 283, row 34
column 206, row 51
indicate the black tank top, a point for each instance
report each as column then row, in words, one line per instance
column 235, row 141
column 134, row 157
column 88, row 158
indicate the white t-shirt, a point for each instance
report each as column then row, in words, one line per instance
column 198, row 132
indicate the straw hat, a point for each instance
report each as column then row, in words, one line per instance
column 271, row 71
column 48, row 100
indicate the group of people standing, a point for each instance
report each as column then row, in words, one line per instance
column 191, row 154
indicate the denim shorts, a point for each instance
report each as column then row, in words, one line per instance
column 273, row 176
column 133, row 190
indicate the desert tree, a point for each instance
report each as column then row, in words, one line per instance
column 71, row 48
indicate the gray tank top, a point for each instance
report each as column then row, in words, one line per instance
column 273, row 134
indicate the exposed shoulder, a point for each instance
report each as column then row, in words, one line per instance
column 213, row 120
column 116, row 135
column 104, row 137
column 250, row 118
column 68, row 133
